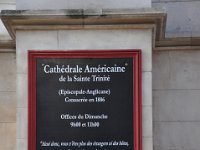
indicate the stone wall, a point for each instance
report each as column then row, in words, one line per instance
column 176, row 78
column 176, row 84
column 182, row 17
column 176, row 100
column 7, row 89
column 7, row 101
column 89, row 40
column 176, row 92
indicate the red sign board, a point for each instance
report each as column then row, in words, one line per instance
column 84, row 100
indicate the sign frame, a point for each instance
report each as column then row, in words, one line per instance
column 33, row 55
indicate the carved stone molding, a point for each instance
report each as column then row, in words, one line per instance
column 7, row 46
column 106, row 19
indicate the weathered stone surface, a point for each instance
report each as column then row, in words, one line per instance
column 22, row 123
column 7, row 136
column 33, row 40
column 176, row 135
column 89, row 40
column 184, row 69
column 7, row 73
column 176, row 70
column 7, row 107
column 147, row 143
column 147, row 126
column 146, row 86
column 21, row 144
column 176, row 100
column 22, row 91
column 77, row 4
column 8, row 1
column 183, row 22
column 109, row 39
column 161, row 70
column 176, row 105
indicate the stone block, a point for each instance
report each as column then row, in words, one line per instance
column 147, row 88
column 184, row 69
column 7, row 136
column 176, row 105
column 161, row 70
column 147, row 143
column 147, row 121
column 79, row 4
column 176, row 135
column 22, row 91
column 7, row 73
column 21, row 144
column 183, row 22
column 22, row 123
column 109, row 39
column 7, row 107
column 176, row 70
column 33, row 40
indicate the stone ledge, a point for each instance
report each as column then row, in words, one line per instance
column 81, row 12
column 7, row 45
column 180, row 43
column 106, row 19
column 146, row 18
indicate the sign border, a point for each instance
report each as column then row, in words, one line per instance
column 137, row 94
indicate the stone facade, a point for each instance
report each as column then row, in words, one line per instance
column 182, row 17
column 176, row 91
column 7, row 101
column 83, row 39
column 176, row 81
column 176, row 73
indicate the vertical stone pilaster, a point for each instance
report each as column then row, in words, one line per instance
column 84, row 39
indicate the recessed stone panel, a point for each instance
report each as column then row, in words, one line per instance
column 147, row 143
